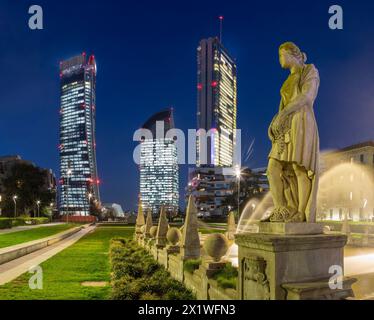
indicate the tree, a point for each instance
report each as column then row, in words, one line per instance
column 27, row 182
column 251, row 186
column 96, row 209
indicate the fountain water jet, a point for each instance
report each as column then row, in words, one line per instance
column 347, row 188
column 254, row 210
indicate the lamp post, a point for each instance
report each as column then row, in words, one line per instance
column 38, row 205
column 89, row 201
column 51, row 206
column 69, row 171
column 238, row 173
column 15, row 205
column 0, row 204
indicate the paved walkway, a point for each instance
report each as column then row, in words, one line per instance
column 13, row 269
column 22, row 228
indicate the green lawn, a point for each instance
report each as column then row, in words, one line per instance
column 86, row 260
column 13, row 238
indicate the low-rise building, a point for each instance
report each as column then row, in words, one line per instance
column 113, row 210
column 210, row 188
column 346, row 188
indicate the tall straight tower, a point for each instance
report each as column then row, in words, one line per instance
column 216, row 114
column 217, row 102
column 78, row 172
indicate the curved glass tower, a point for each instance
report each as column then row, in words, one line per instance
column 159, row 172
column 78, row 172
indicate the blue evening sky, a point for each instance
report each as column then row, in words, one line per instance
column 146, row 56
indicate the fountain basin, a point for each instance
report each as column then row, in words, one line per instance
column 290, row 228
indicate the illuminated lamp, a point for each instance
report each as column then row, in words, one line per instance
column 214, row 84
column 199, row 86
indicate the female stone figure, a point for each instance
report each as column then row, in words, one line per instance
column 293, row 159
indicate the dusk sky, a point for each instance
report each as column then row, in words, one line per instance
column 146, row 59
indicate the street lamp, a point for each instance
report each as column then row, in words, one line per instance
column 38, row 204
column 69, row 172
column 89, row 201
column 15, row 205
column 51, row 205
column 238, row 174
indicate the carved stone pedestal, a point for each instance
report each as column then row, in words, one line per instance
column 170, row 249
column 211, row 267
column 204, row 273
column 288, row 260
column 319, row 290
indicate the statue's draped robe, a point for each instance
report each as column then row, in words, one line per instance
column 298, row 140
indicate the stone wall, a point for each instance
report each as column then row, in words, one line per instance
column 199, row 282
column 359, row 234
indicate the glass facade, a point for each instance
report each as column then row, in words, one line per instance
column 216, row 114
column 159, row 172
column 78, row 170
column 217, row 102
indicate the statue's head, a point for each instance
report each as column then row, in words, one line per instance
column 290, row 55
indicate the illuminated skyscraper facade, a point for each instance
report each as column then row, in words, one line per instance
column 159, row 172
column 79, row 182
column 216, row 114
column 217, row 102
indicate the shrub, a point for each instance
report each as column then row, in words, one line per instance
column 227, row 277
column 22, row 221
column 191, row 265
column 5, row 223
column 149, row 296
column 137, row 276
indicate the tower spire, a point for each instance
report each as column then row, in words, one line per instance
column 220, row 27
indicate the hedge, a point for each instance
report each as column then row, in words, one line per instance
column 191, row 265
column 6, row 223
column 227, row 277
column 137, row 276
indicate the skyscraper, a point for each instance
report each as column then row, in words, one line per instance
column 78, row 172
column 216, row 114
column 217, row 102
column 159, row 172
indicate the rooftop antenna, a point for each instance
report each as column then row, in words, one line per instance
column 220, row 27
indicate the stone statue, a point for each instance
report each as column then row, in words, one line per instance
column 293, row 159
